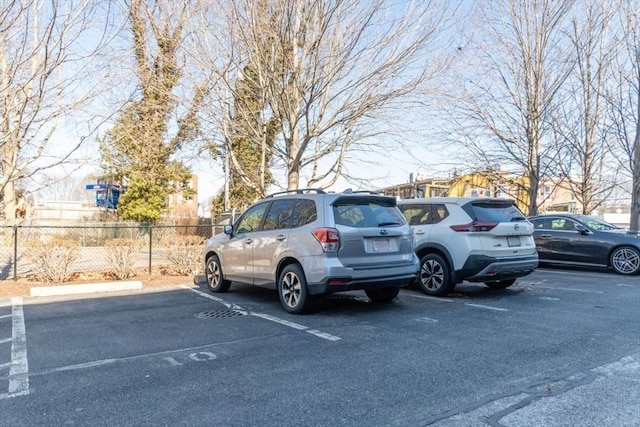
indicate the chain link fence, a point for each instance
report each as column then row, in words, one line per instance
column 57, row 253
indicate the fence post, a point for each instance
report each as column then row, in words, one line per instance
column 150, row 246
column 15, row 252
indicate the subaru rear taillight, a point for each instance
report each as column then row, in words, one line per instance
column 475, row 226
column 329, row 238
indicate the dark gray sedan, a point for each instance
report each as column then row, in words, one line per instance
column 583, row 240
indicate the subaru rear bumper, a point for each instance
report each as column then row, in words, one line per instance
column 340, row 284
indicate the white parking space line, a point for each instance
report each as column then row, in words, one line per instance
column 297, row 326
column 280, row 321
column 427, row 320
column 216, row 299
column 487, row 307
column 324, row 335
column 104, row 362
column 19, row 366
column 554, row 272
column 5, row 340
column 569, row 289
column 5, row 316
column 427, row 297
column 287, row 323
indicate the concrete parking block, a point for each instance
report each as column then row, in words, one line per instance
column 86, row 288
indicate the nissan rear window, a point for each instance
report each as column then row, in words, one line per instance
column 494, row 211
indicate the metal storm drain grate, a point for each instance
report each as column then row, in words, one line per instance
column 219, row 314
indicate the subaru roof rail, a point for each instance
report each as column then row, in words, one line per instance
column 299, row 191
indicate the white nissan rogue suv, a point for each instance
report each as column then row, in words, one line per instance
column 468, row 238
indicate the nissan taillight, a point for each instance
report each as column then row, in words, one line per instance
column 475, row 226
column 329, row 238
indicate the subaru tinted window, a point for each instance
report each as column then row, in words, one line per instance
column 304, row 212
column 279, row 215
column 494, row 211
column 251, row 219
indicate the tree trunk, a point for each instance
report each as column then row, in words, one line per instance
column 10, row 203
column 634, row 220
column 293, row 165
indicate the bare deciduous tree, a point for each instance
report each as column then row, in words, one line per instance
column 44, row 65
column 624, row 102
column 503, row 114
column 579, row 125
column 335, row 74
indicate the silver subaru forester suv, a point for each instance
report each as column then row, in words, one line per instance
column 309, row 242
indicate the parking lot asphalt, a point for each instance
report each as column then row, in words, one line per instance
column 607, row 395
column 559, row 348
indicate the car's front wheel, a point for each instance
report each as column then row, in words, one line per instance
column 435, row 276
column 500, row 284
column 215, row 279
column 292, row 289
column 625, row 260
column 382, row 294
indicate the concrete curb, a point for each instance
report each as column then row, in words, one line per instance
column 88, row 288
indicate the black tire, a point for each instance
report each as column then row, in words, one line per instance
column 292, row 290
column 215, row 279
column 500, row 284
column 382, row 294
column 434, row 277
column 625, row 260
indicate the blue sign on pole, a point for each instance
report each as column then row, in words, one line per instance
column 96, row 186
column 107, row 195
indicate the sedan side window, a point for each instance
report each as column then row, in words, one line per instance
column 251, row 219
column 542, row 223
column 563, row 224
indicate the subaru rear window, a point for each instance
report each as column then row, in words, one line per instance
column 367, row 213
column 494, row 211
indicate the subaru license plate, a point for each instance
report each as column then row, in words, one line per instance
column 381, row 245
